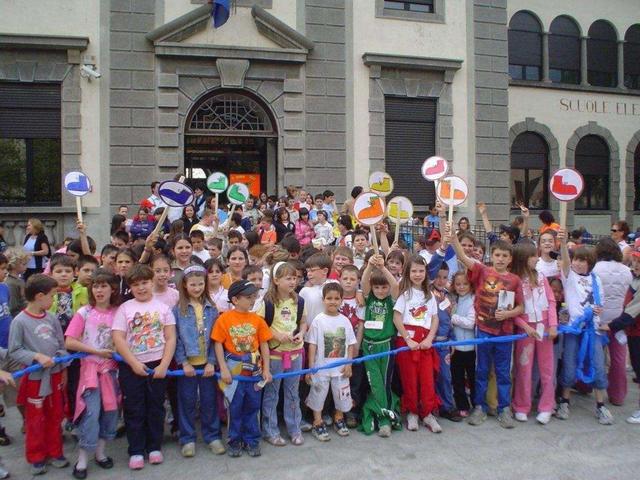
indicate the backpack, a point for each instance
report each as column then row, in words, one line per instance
column 269, row 311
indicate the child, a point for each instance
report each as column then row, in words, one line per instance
column 341, row 256
column 108, row 257
column 317, row 266
column 144, row 335
column 492, row 320
column 539, row 317
column 583, row 294
column 416, row 318
column 36, row 336
column 214, row 246
column 16, row 265
column 125, row 260
column 547, row 264
column 395, row 263
column 360, row 246
column 432, row 220
column 463, row 359
column 97, row 399
column 161, row 273
column 381, row 407
column 304, row 230
column 284, row 312
column 323, row 229
column 329, row 204
column 195, row 315
column 241, row 348
column 217, row 293
column 5, row 311
column 181, row 251
column 267, row 231
column 86, row 266
column 336, row 328
column 197, row 241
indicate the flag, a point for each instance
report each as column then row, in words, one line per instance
column 220, row 12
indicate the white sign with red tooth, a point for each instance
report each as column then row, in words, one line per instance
column 434, row 168
column 566, row 184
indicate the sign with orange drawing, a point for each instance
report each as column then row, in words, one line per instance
column 452, row 190
column 251, row 180
column 369, row 208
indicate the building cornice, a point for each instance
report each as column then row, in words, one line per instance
column 177, row 49
column 447, row 65
column 43, row 42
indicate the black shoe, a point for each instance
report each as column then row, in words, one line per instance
column 78, row 473
column 105, row 463
column 452, row 415
column 4, row 438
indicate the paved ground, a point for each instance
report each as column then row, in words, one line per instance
column 575, row 449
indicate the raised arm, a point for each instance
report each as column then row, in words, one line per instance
column 455, row 243
column 565, row 261
column 525, row 224
column 84, row 242
column 482, row 208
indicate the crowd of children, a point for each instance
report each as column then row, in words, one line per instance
column 277, row 287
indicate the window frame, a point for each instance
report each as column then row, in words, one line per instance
column 631, row 41
column 523, row 67
column 437, row 16
column 588, row 177
column 564, row 37
column 545, row 173
column 595, row 47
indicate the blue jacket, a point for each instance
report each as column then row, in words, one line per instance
column 187, row 338
column 444, row 315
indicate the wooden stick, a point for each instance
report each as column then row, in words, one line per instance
column 216, row 212
column 397, row 234
column 451, row 197
column 79, row 208
column 374, row 239
column 563, row 215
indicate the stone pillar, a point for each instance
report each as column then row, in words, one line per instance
column 621, row 64
column 583, row 62
column 545, row 57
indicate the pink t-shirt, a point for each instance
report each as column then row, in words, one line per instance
column 92, row 327
column 169, row 297
column 143, row 324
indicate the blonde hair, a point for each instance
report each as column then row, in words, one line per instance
column 15, row 255
column 278, row 254
column 36, row 225
column 280, row 270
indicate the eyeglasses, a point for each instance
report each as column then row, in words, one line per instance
column 613, row 230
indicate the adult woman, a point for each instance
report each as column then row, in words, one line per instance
column 118, row 223
column 616, row 278
column 36, row 244
column 619, row 232
column 282, row 224
column 237, row 259
column 463, row 225
column 189, row 218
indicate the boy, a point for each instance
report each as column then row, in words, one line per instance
column 214, row 246
column 234, row 239
column 108, row 257
column 267, row 231
column 197, row 241
column 432, row 220
column 36, row 336
column 341, row 256
column 251, row 212
column 317, row 208
column 491, row 322
column 583, row 295
column 330, row 325
column 241, row 341
column 16, row 265
column 360, row 247
column 120, row 239
column 382, row 406
column 317, row 266
column 206, row 225
column 329, row 204
column 86, row 266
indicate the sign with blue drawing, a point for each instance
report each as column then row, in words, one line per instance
column 77, row 184
column 175, row 194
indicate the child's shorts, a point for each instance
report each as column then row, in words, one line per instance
column 339, row 387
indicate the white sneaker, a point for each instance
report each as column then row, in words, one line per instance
column 543, row 417
column 412, row 422
column 634, row 418
column 604, row 416
column 431, row 423
column 521, row 417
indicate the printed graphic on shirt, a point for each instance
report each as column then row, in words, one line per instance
column 419, row 312
column 243, row 337
column 146, row 332
column 44, row 331
column 65, row 309
column 335, row 343
column 101, row 337
column 488, row 298
column 352, row 311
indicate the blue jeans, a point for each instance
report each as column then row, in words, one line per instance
column 190, row 390
column 570, row 362
column 291, row 410
column 444, row 387
column 243, row 416
column 500, row 355
column 95, row 423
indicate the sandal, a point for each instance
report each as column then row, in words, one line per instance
column 276, row 441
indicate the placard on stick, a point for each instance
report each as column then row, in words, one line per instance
column 217, row 183
column 381, row 183
column 434, row 168
column 369, row 209
column 78, row 185
column 566, row 185
column 452, row 191
column 399, row 211
column 174, row 193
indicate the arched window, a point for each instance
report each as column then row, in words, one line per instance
column 592, row 161
column 564, row 51
column 529, row 171
column 525, row 47
column 636, row 178
column 632, row 57
column 602, row 55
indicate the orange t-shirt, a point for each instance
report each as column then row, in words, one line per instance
column 545, row 228
column 241, row 332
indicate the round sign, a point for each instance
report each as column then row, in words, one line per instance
column 238, row 193
column 452, row 190
column 77, row 184
column 434, row 168
column 381, row 183
column 175, row 194
column 399, row 208
column 369, row 208
column 217, row 182
column 566, row 184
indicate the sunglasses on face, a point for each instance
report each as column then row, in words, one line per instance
column 613, row 230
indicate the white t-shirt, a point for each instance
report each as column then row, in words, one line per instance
column 616, row 278
column 623, row 245
column 578, row 292
column 203, row 254
column 332, row 335
column 548, row 269
column 313, row 301
column 221, row 299
column 415, row 309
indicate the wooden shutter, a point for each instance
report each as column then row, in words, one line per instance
column 30, row 110
column 410, row 138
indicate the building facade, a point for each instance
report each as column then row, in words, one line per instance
column 318, row 93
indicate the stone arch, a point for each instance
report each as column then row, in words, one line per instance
column 630, row 173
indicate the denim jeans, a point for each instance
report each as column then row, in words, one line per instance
column 190, row 390
column 500, row 355
column 444, row 388
column 291, row 410
column 570, row 362
column 95, row 423
column 244, row 427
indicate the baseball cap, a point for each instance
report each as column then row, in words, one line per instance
column 241, row 288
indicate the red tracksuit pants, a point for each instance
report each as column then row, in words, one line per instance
column 42, row 419
column 418, row 369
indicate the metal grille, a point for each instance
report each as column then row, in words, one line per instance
column 228, row 113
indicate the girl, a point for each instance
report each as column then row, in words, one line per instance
column 303, row 229
column 547, row 264
column 176, row 229
column 142, row 224
column 277, row 254
column 416, row 318
column 282, row 224
column 395, row 263
column 218, row 294
column 539, row 317
column 463, row 360
column 323, row 229
column 181, row 250
column 195, row 315
column 118, row 224
column 189, row 218
column 284, row 312
column 345, row 225
column 237, row 259
column 161, row 273
column 125, row 260
column 98, row 394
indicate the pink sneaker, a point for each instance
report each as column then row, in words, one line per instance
column 464, row 413
column 136, row 462
column 155, row 457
